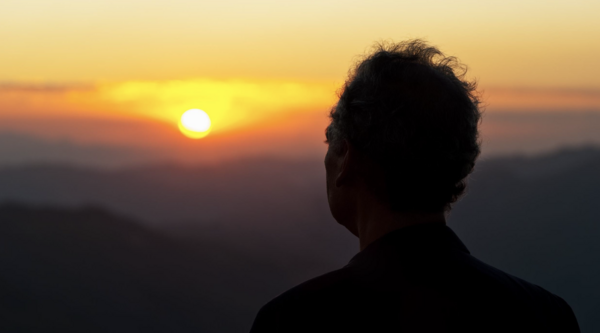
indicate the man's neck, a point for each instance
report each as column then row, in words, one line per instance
column 376, row 222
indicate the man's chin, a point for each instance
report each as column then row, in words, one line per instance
column 352, row 228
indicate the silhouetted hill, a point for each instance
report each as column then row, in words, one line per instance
column 87, row 270
column 535, row 217
column 282, row 200
column 538, row 218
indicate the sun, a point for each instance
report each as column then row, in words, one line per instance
column 195, row 124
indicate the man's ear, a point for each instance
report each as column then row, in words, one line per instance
column 347, row 167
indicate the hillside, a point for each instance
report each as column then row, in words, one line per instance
column 535, row 217
column 87, row 270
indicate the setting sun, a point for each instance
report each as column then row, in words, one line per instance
column 195, row 124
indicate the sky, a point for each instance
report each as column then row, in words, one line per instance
column 120, row 73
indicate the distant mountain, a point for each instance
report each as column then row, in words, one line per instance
column 87, row 270
column 20, row 149
column 283, row 201
column 535, row 217
column 538, row 218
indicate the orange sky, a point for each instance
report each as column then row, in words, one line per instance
column 69, row 68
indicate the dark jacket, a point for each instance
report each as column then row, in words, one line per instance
column 416, row 279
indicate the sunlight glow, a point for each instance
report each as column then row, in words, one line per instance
column 195, row 123
column 234, row 104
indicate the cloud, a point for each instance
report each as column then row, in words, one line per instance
column 27, row 87
column 283, row 118
column 231, row 104
column 538, row 99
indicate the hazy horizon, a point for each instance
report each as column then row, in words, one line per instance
column 502, row 134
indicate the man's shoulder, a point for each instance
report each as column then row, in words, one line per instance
column 286, row 310
column 515, row 294
column 474, row 293
column 401, row 288
column 318, row 287
column 511, row 284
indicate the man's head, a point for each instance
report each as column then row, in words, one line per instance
column 409, row 118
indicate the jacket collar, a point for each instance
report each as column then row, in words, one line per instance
column 431, row 237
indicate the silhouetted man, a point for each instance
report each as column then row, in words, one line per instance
column 403, row 137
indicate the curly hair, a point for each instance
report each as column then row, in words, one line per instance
column 410, row 109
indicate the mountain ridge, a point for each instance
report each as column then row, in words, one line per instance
column 534, row 217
